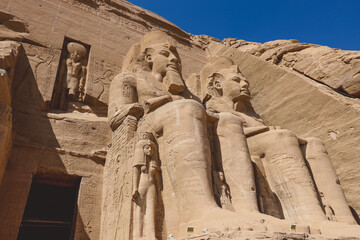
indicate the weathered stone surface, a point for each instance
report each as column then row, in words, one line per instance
column 9, row 52
column 12, row 27
column 336, row 68
column 189, row 151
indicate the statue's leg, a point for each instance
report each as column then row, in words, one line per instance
column 326, row 179
column 73, row 86
column 288, row 176
column 236, row 163
column 140, row 206
column 149, row 218
column 188, row 158
column 137, row 221
column 184, row 152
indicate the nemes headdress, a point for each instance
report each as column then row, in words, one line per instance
column 149, row 39
column 213, row 66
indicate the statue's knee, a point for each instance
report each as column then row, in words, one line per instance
column 314, row 140
column 281, row 134
column 315, row 145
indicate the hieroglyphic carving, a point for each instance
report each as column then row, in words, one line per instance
column 117, row 182
column 99, row 78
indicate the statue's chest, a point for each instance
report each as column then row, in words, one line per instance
column 148, row 88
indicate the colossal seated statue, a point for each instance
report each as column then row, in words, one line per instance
column 297, row 171
column 149, row 88
column 195, row 142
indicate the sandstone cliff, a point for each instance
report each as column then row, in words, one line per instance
column 310, row 89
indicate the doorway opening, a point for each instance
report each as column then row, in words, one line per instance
column 50, row 211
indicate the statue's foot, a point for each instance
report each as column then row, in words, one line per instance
column 217, row 219
column 274, row 224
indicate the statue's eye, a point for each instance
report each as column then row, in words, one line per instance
column 236, row 79
column 164, row 53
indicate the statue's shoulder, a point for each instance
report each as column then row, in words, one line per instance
column 127, row 78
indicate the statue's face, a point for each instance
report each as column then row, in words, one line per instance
column 164, row 59
column 75, row 56
column 234, row 85
column 148, row 150
column 221, row 176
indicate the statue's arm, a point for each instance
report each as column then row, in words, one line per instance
column 157, row 179
column 82, row 82
column 153, row 103
column 136, row 179
column 251, row 131
column 124, row 100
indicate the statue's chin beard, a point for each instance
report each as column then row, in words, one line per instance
column 242, row 98
column 173, row 81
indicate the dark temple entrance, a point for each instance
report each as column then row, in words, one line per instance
column 50, row 210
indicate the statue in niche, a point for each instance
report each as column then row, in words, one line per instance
column 76, row 71
column 151, row 89
column 284, row 157
column 145, row 182
column 72, row 77
column 222, row 191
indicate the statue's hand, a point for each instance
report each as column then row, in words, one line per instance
column 133, row 109
column 176, row 97
column 135, row 195
column 153, row 103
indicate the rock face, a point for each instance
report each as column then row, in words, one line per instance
column 336, row 68
column 9, row 51
column 144, row 131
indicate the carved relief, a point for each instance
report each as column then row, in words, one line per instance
column 99, row 79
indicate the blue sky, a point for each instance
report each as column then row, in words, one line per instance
column 334, row 23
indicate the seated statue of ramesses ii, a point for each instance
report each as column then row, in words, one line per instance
column 150, row 89
column 193, row 142
column 293, row 175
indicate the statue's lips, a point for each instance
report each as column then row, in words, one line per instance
column 244, row 91
column 172, row 67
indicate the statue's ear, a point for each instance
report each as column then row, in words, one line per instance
column 148, row 56
column 214, row 85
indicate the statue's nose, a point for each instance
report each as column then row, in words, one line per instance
column 173, row 58
column 244, row 84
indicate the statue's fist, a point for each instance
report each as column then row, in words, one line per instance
column 135, row 195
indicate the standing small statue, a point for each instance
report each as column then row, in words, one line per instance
column 145, row 181
column 72, row 77
column 222, row 191
column 76, row 71
column 329, row 212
